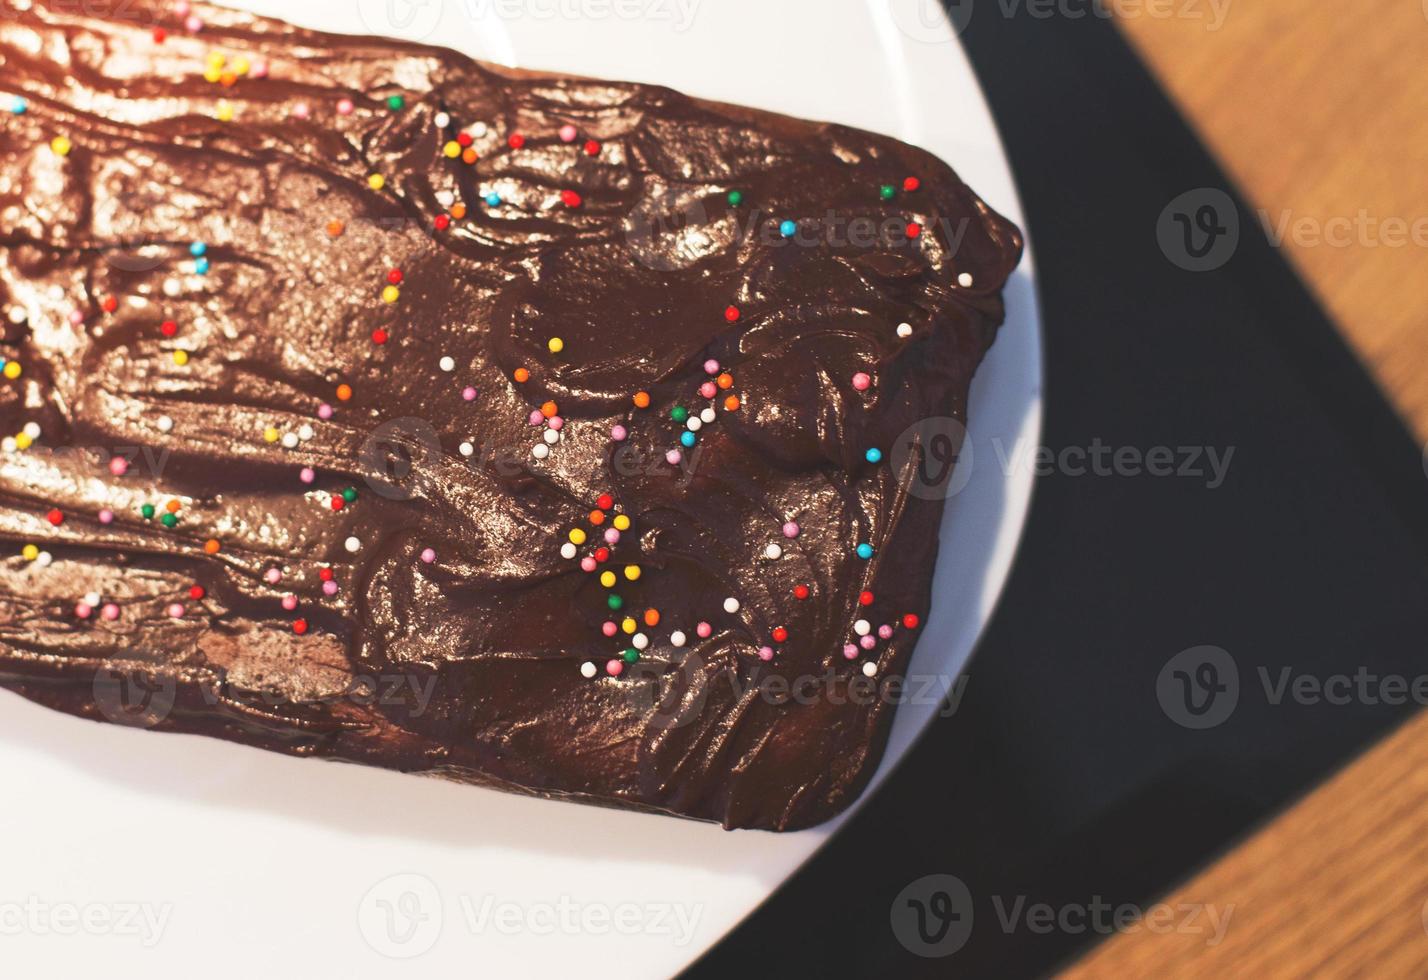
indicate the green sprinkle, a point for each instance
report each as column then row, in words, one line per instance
column 679, row 413
column 888, row 192
column 148, row 511
column 169, row 520
column 395, row 102
column 736, row 198
column 349, row 495
column 615, row 602
column 632, row 655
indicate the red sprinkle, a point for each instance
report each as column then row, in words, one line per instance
column 463, row 140
column 379, row 336
column 605, row 502
column 516, row 141
column 913, row 229
column 299, row 626
column 865, row 599
column 910, row 621
column 159, row 35
column 338, row 503
column 780, row 634
column 168, row 328
column 732, row 314
column 325, row 574
column 602, row 554
column 109, row 304
column 442, row 222
column 196, row 592
column 571, row 199
column 911, row 184
column 55, row 517
column 592, row 148
column 800, row 592
column 395, row 277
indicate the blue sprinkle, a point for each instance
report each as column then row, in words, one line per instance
column 18, row 105
column 197, row 249
column 865, row 551
column 201, row 267
column 493, row 199
column 874, row 455
column 688, row 439
column 788, row 229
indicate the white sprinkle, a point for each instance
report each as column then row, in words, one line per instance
column 172, row 287
column 165, row 424
column 550, row 436
column 540, row 451
column 290, row 440
column 870, row 669
column 447, row 363
column 707, row 416
column 965, row 280
column 588, row 669
column 904, row 330
column 442, row 120
column 91, row 598
column 678, row 638
column 445, row 198
column 466, row 448
column 567, row 551
column 352, row 543
column 639, row 641
column 773, row 552
column 43, row 559
column 862, row 627
column 477, row 129
column 17, row 315
column 32, row 429
column 8, row 444
column 306, row 432
column 731, row 605
column 694, row 424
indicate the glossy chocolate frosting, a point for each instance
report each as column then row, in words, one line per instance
column 210, row 233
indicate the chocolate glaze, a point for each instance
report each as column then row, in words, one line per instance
column 469, row 666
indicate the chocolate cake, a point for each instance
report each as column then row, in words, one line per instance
column 364, row 401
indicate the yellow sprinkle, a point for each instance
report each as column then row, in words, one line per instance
column 61, row 146
column 270, row 434
column 240, row 66
column 217, row 59
column 225, row 112
column 607, row 579
column 632, row 572
column 556, row 345
column 24, row 441
column 180, row 357
column 376, row 182
column 213, row 73
column 629, row 625
column 30, row 552
column 577, row 536
column 622, row 522
column 452, row 149
column 12, row 369
column 390, row 294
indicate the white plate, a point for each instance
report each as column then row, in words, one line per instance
column 260, row 864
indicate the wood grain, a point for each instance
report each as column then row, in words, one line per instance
column 1316, row 110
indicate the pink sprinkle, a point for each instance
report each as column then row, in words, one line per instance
column 708, row 390
column 587, row 564
column 861, row 381
column 289, row 602
column 344, row 107
column 673, row 457
column 76, row 317
column 868, row 642
column 614, row 668
column 329, row 588
column 711, row 366
column 324, row 411
column 885, row 631
column 536, row 418
column 428, row 555
column 790, row 530
column 765, row 653
column 259, row 70
column 555, row 422
column 82, row 610
column 110, row 611
column 618, row 433
column 301, row 110
column 609, row 629
column 106, row 516
column 468, row 393
column 182, row 8
column 850, row 651
column 193, row 24
column 612, row 536
column 568, row 133
column 176, row 610
column 118, row 466
column 703, row 630
column 273, row 575
column 306, row 474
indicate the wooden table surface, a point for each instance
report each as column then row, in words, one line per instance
column 1317, row 110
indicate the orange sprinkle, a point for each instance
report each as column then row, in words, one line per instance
column 172, row 506
column 211, row 546
column 229, row 79
column 549, row 410
column 468, row 155
column 725, row 380
column 335, row 228
column 458, row 211
column 731, row 403
column 651, row 617
column 521, row 375
column 597, row 517
column 344, row 392
column 642, row 399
